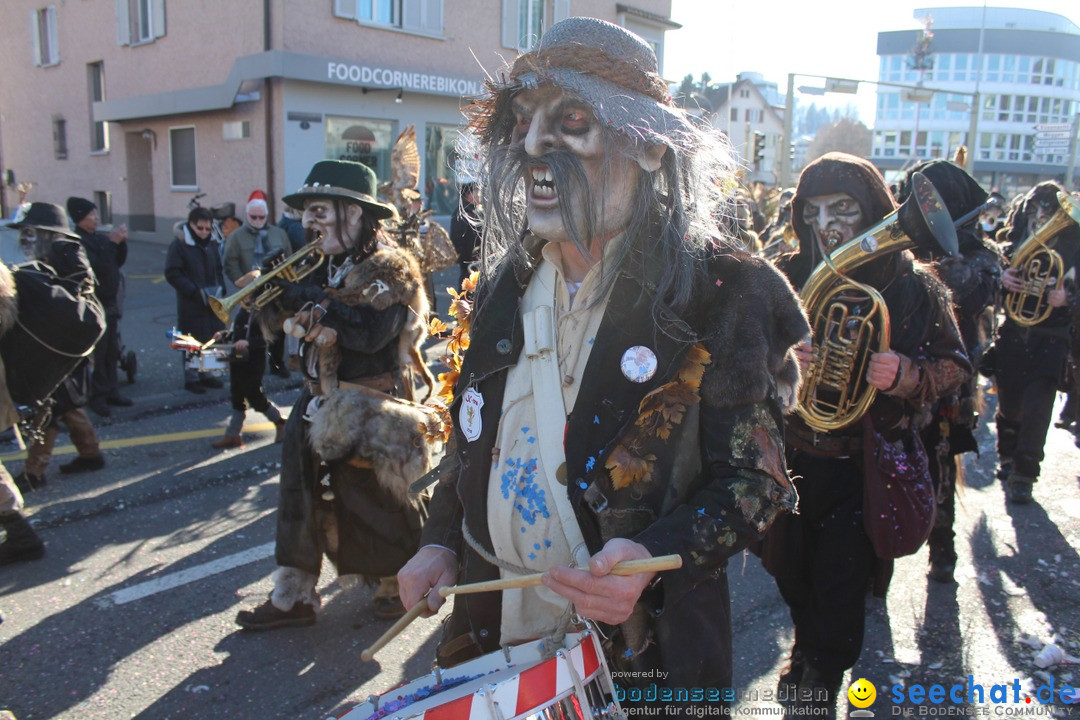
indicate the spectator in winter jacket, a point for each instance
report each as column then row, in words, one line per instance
column 193, row 268
column 107, row 254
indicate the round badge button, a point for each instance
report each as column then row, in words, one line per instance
column 638, row 364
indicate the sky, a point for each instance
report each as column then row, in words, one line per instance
column 836, row 38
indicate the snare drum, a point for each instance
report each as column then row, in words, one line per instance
column 214, row 359
column 523, row 682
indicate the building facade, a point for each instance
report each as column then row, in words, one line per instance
column 143, row 104
column 751, row 107
column 1022, row 67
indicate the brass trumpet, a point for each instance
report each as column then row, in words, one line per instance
column 850, row 321
column 1040, row 266
column 292, row 269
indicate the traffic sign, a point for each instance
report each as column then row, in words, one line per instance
column 1053, row 135
column 1053, row 127
column 1051, row 143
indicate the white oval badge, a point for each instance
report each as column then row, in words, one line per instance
column 469, row 414
column 638, row 364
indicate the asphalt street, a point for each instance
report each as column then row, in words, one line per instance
column 130, row 614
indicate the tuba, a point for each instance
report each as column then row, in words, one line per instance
column 1040, row 267
column 849, row 320
column 292, row 269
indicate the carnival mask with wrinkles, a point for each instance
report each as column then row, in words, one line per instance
column 35, row 244
column 321, row 217
column 835, row 219
column 591, row 196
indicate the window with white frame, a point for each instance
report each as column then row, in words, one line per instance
column 103, row 200
column 139, row 22
column 419, row 16
column 522, row 23
column 43, row 37
column 182, row 167
column 99, row 131
column 59, row 126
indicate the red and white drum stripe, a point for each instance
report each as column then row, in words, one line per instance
column 536, row 687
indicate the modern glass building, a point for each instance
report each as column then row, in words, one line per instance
column 1022, row 65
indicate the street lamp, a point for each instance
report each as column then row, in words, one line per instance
column 917, row 93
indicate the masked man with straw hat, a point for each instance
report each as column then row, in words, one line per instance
column 350, row 452
column 659, row 431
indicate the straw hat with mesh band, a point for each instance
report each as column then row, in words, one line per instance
column 43, row 216
column 607, row 66
column 341, row 179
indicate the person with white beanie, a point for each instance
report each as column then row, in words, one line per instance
column 253, row 242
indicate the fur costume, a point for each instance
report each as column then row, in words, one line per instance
column 389, row 276
column 393, row 434
column 9, row 311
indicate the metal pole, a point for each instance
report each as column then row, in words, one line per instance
column 785, row 152
column 973, row 138
column 1072, row 153
column 969, row 164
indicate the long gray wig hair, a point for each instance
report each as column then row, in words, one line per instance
column 675, row 208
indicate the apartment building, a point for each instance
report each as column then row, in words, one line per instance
column 746, row 108
column 1024, row 66
column 142, row 104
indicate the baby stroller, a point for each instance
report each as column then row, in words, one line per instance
column 129, row 361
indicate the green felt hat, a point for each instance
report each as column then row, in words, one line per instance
column 341, row 179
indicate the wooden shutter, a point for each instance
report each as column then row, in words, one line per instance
column 345, row 9
column 510, row 19
column 561, row 11
column 35, row 36
column 157, row 18
column 422, row 15
column 123, row 22
column 53, row 35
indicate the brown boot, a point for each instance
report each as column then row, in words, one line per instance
column 227, row 442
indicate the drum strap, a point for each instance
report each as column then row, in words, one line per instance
column 541, row 351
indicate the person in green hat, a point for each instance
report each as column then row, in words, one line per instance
column 347, row 509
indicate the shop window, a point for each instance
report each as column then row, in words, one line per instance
column 182, row 166
column 43, row 36
column 99, row 131
column 440, row 163
column 139, row 22
column 362, row 140
column 59, row 134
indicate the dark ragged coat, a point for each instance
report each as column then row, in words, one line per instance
column 719, row 480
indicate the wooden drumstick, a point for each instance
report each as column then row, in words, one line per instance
column 627, row 567
column 403, row 622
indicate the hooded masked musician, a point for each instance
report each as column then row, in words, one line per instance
column 823, row 559
column 1032, row 349
column 351, row 446
column 974, row 280
column 622, row 394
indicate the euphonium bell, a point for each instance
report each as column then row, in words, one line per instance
column 1040, row 267
column 850, row 321
column 292, row 269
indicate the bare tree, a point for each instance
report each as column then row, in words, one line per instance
column 845, row 135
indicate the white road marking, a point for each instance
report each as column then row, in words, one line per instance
column 183, row 577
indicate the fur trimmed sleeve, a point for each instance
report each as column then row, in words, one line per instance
column 753, row 376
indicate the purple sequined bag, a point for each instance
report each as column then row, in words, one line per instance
column 898, row 493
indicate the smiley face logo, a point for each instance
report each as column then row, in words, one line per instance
column 862, row 693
